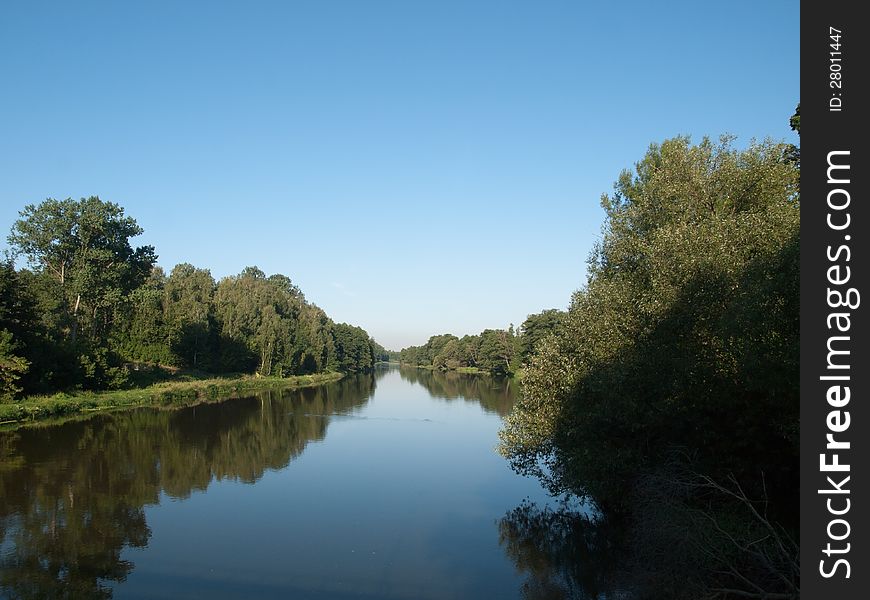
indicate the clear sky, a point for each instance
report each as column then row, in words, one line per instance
column 416, row 167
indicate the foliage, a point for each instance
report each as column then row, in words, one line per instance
column 92, row 305
column 491, row 351
column 693, row 537
column 792, row 152
column 537, row 327
column 354, row 350
column 12, row 367
column 495, row 351
column 686, row 337
column 189, row 315
column 84, row 246
column 795, row 120
column 16, row 317
column 686, row 332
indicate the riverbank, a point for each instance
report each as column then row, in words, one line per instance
column 518, row 374
column 164, row 394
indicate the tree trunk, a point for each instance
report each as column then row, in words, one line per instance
column 75, row 325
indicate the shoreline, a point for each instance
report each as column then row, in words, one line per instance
column 518, row 374
column 168, row 394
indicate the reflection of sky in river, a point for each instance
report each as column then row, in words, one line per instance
column 401, row 501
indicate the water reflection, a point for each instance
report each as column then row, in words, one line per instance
column 561, row 549
column 72, row 496
column 402, row 501
column 494, row 394
column 564, row 553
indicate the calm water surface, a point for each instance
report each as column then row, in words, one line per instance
column 381, row 486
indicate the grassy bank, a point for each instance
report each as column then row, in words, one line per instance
column 466, row 370
column 169, row 393
column 471, row 371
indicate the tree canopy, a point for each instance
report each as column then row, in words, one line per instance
column 84, row 245
column 91, row 306
column 683, row 346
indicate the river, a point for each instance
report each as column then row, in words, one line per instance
column 376, row 486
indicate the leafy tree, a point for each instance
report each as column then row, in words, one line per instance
column 12, row 367
column 33, row 358
column 140, row 332
column 537, row 327
column 381, row 353
column 792, row 152
column 261, row 314
column 188, row 314
column 409, row 356
column 84, row 246
column 353, row 348
column 33, row 315
column 686, row 334
column 795, row 120
column 92, row 304
column 496, row 350
column 16, row 319
column 314, row 348
column 671, row 395
column 469, row 348
column 450, row 355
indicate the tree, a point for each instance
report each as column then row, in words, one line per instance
column 313, row 349
column 140, row 331
column 261, row 315
column 354, row 350
column 792, row 152
column 536, row 327
column 496, row 351
column 795, row 120
column 188, row 314
column 12, row 367
column 671, row 396
column 450, row 355
column 686, row 333
column 84, row 246
column 17, row 322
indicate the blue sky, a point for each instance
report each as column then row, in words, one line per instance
column 416, row 167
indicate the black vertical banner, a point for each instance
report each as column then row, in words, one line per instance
column 835, row 363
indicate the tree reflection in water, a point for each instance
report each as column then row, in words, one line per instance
column 565, row 553
column 72, row 496
column 494, row 394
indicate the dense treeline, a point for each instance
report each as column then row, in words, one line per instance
column 91, row 305
column 671, row 396
column 498, row 351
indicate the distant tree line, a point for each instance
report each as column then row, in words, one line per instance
column 90, row 306
column 498, row 351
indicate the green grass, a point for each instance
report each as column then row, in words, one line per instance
column 467, row 370
column 164, row 394
column 471, row 370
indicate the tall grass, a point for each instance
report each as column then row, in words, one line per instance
column 168, row 393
